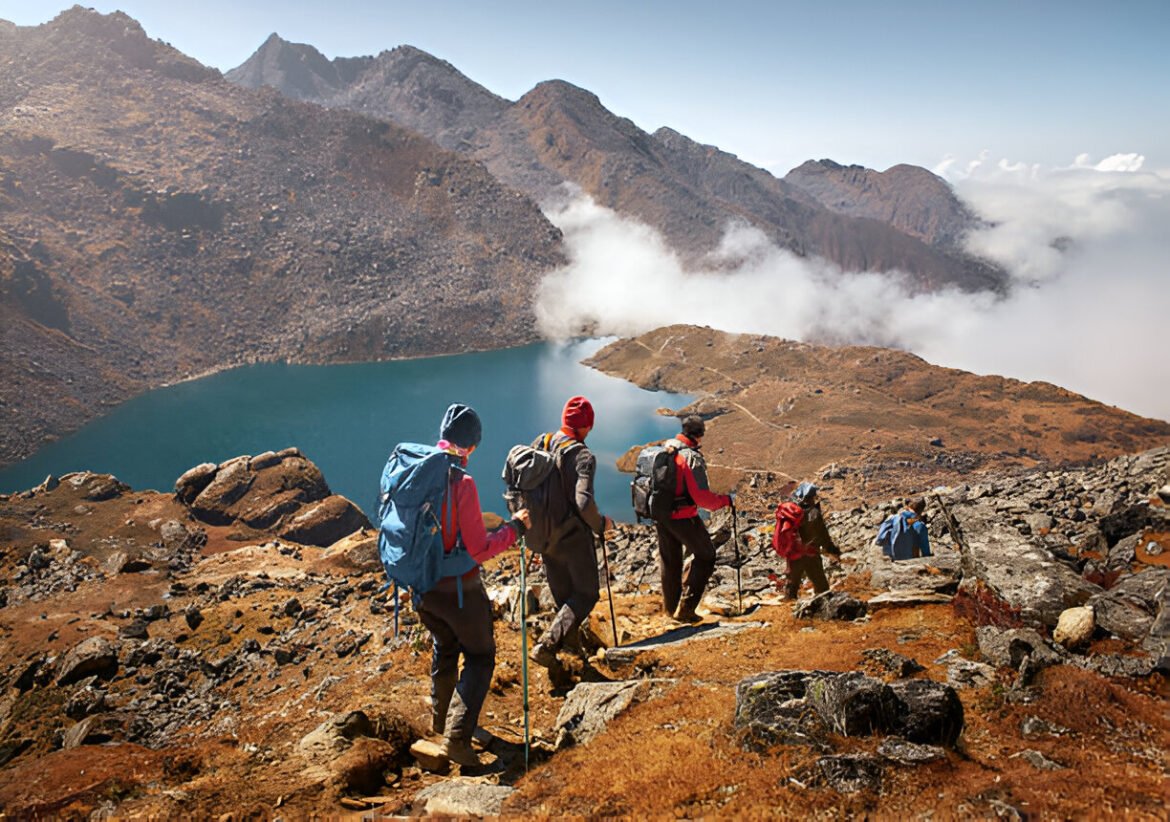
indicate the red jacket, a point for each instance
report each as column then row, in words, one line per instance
column 691, row 481
column 467, row 522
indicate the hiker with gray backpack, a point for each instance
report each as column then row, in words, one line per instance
column 553, row 479
column 670, row 487
column 432, row 540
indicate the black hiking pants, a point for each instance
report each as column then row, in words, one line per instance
column 673, row 536
column 813, row 568
column 570, row 564
column 455, row 631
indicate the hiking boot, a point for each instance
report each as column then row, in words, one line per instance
column 461, row 753
column 543, row 655
column 686, row 613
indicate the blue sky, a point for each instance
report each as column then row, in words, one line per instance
column 874, row 83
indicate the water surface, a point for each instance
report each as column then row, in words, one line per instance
column 347, row 418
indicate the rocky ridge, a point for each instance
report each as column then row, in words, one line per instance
column 869, row 422
column 558, row 133
column 158, row 222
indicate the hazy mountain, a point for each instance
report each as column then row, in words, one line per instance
column 558, row 132
column 157, row 221
column 907, row 197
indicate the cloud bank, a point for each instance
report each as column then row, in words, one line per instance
column 1087, row 247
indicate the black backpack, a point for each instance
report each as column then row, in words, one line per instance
column 533, row 478
column 655, row 478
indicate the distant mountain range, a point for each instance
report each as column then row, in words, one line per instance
column 905, row 219
column 158, row 220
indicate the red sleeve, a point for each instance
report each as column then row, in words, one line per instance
column 479, row 543
column 703, row 497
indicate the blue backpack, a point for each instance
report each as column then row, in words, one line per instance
column 410, row 537
column 896, row 537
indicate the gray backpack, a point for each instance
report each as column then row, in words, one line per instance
column 533, row 478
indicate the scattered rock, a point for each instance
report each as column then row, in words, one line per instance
column 430, row 756
column 462, row 798
column 899, row 750
column 95, row 656
column 1075, row 627
column 830, row 605
column 771, row 709
column 850, row 773
column 590, row 706
column 852, row 704
column 1039, row 761
column 888, row 661
column 331, row 737
column 926, row 712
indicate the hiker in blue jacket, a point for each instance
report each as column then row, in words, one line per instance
column 903, row 535
column 456, row 699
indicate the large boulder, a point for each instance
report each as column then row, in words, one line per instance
column 925, row 712
column 852, row 704
column 325, row 522
column 96, row 656
column 1020, row 573
column 191, row 484
column 772, row 709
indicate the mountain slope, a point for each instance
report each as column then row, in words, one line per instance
column 690, row 192
column 157, row 221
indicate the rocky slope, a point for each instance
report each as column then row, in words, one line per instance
column 157, row 221
column 907, row 197
column 558, row 132
column 869, row 422
column 164, row 657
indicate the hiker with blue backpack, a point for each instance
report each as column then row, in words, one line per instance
column 563, row 532
column 903, row 535
column 432, row 539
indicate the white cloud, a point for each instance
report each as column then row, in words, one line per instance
column 1086, row 245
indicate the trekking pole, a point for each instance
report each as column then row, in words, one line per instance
column 608, row 590
column 396, row 610
column 735, row 540
column 524, row 645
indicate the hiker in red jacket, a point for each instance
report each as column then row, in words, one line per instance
column 463, row 627
column 570, row 559
column 685, row 528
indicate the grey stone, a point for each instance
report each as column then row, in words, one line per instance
column 907, row 599
column 891, row 662
column 926, row 712
column 591, row 706
column 1021, row 573
column 1038, row 761
column 830, row 605
column 964, row 673
column 849, row 773
column 333, row 736
column 95, row 656
column 1011, row 647
column 852, row 704
column 193, row 481
column 899, row 750
column 771, row 709
column 324, row 522
column 462, row 798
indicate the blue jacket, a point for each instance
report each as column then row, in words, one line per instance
column 901, row 533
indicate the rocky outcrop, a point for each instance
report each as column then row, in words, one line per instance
column 281, row 492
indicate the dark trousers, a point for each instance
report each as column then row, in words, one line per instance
column 673, row 536
column 570, row 564
column 811, row 567
column 455, row 631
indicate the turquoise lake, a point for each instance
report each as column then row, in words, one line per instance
column 347, row 418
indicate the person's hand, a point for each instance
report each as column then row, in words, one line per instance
column 524, row 517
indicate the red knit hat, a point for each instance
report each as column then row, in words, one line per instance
column 578, row 413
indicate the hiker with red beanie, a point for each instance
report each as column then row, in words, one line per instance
column 570, row 559
column 681, row 596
